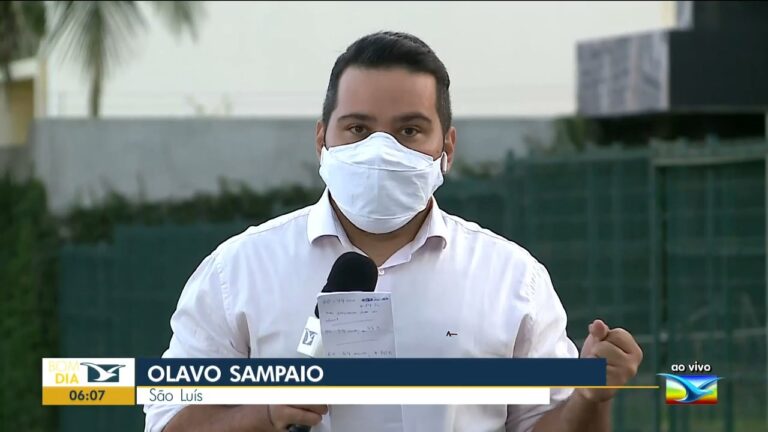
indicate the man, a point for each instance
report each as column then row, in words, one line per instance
column 384, row 142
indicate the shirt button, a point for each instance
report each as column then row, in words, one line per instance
column 381, row 272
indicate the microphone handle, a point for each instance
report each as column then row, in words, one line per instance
column 299, row 428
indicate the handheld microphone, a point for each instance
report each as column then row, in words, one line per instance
column 351, row 272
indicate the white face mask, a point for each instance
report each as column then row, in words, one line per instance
column 378, row 183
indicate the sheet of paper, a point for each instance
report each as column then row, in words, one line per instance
column 357, row 324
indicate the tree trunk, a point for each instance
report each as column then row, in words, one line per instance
column 94, row 103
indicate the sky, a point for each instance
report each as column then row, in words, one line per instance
column 273, row 59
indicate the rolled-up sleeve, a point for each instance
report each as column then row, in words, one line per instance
column 202, row 327
column 542, row 334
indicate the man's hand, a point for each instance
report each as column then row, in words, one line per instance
column 621, row 352
column 244, row 418
column 282, row 416
column 590, row 409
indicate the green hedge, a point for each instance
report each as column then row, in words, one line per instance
column 29, row 242
column 28, row 247
column 233, row 202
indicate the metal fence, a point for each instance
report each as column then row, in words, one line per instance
column 115, row 301
column 710, row 264
column 669, row 242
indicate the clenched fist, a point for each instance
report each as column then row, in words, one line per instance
column 282, row 416
column 621, row 352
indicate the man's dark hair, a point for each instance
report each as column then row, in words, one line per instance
column 386, row 50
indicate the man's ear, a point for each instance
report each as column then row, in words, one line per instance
column 449, row 146
column 319, row 137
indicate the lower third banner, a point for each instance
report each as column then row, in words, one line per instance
column 361, row 381
column 452, row 381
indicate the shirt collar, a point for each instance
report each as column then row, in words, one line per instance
column 322, row 221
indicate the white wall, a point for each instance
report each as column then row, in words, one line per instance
column 81, row 161
column 273, row 59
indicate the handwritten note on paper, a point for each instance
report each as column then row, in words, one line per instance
column 357, row 324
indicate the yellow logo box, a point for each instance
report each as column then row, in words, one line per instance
column 88, row 381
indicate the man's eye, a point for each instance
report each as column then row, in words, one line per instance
column 410, row 132
column 357, row 129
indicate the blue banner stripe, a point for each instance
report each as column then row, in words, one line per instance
column 416, row 372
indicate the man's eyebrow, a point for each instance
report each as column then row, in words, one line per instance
column 414, row 116
column 356, row 116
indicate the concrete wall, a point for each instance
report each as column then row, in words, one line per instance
column 157, row 159
column 273, row 59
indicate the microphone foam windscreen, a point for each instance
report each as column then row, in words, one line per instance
column 352, row 272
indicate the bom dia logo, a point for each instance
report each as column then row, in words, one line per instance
column 691, row 388
column 68, row 372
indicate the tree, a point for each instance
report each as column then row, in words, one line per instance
column 22, row 24
column 98, row 34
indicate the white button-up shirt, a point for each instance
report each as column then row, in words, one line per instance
column 252, row 295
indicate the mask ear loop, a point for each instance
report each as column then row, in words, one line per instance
column 444, row 163
column 323, row 150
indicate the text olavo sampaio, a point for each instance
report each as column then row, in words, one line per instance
column 270, row 374
column 248, row 381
